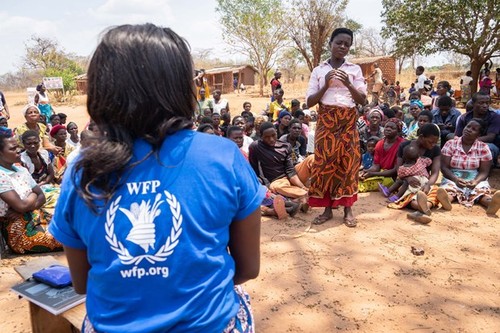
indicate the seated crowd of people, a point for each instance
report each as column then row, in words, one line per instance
column 33, row 159
column 404, row 150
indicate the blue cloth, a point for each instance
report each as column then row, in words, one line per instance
column 367, row 160
column 185, row 284
column 46, row 110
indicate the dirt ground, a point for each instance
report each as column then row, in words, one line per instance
column 332, row 278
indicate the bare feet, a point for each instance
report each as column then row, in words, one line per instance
column 444, row 200
column 279, row 207
column 422, row 203
column 494, row 204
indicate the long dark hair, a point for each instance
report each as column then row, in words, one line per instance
column 140, row 85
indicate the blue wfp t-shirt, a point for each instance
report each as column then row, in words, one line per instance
column 158, row 251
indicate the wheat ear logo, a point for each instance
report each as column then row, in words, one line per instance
column 143, row 232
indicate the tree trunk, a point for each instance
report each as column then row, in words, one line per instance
column 475, row 67
column 401, row 61
column 262, row 81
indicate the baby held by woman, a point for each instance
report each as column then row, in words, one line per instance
column 413, row 167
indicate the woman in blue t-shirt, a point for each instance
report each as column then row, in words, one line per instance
column 136, row 213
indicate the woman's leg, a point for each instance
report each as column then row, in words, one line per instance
column 349, row 219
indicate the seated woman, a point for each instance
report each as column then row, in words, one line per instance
column 465, row 164
column 32, row 115
column 59, row 134
column 383, row 169
column 281, row 125
column 429, row 194
column 416, row 106
column 21, row 199
column 73, row 138
column 373, row 128
column 40, row 167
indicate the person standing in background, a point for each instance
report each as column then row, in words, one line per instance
column 4, row 108
column 42, row 101
column 465, row 86
column 378, row 83
column 275, row 84
column 421, row 80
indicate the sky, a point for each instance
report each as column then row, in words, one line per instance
column 77, row 25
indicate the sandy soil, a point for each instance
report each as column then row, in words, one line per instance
column 364, row 279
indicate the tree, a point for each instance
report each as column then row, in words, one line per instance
column 470, row 28
column 369, row 43
column 311, row 24
column 255, row 28
column 44, row 56
column 289, row 62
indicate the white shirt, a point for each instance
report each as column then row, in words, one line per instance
column 466, row 80
column 247, row 141
column 378, row 76
column 337, row 94
column 420, row 81
column 222, row 104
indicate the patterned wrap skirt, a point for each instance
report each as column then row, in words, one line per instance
column 337, row 157
column 27, row 232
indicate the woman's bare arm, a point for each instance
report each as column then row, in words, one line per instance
column 244, row 245
column 79, row 268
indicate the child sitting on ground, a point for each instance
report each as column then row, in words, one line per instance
column 413, row 166
column 273, row 204
column 367, row 158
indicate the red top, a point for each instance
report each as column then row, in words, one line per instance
column 386, row 159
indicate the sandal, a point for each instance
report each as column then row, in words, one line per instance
column 419, row 217
column 279, row 207
column 384, row 190
column 350, row 221
column 321, row 219
column 393, row 198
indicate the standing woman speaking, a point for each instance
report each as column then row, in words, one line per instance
column 337, row 86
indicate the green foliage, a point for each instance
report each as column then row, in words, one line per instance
column 46, row 57
column 68, row 75
column 424, row 27
column 255, row 28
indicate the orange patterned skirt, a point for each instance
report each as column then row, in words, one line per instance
column 337, row 157
column 27, row 232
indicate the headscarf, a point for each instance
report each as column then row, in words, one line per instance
column 27, row 106
column 5, row 132
column 373, row 110
column 55, row 129
column 417, row 103
column 398, row 123
column 284, row 113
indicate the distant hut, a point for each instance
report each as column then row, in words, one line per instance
column 386, row 63
column 81, row 83
column 222, row 78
